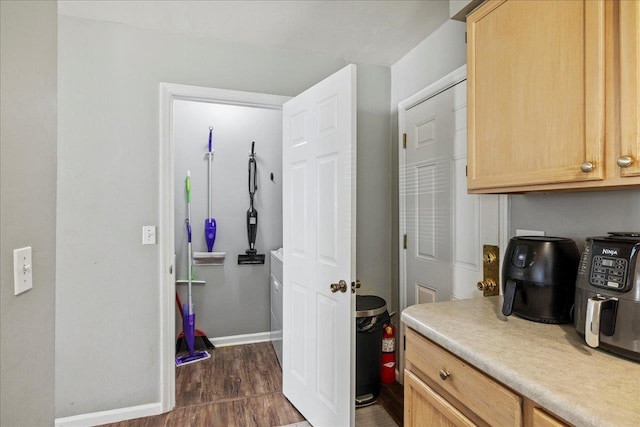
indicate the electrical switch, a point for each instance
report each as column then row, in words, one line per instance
column 22, row 270
column 149, row 235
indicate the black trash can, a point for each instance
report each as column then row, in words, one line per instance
column 371, row 315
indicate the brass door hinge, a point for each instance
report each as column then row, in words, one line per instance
column 404, row 141
column 404, row 244
column 465, row 37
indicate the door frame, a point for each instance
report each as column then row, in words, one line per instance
column 168, row 92
column 444, row 83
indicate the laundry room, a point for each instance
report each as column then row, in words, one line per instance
column 229, row 287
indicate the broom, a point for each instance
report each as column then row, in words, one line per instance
column 200, row 338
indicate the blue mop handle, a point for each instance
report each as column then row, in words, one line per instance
column 188, row 230
column 210, row 139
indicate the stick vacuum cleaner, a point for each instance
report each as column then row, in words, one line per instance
column 251, row 255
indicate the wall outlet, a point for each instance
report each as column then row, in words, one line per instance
column 22, row 270
column 529, row 233
column 149, row 235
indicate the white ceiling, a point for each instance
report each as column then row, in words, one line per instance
column 371, row 31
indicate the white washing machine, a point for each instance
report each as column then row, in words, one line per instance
column 275, row 279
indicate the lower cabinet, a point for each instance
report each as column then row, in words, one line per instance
column 424, row 407
column 441, row 389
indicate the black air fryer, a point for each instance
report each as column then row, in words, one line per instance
column 539, row 278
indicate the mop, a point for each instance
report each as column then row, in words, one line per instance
column 209, row 257
column 251, row 255
column 189, row 316
column 210, row 222
column 200, row 339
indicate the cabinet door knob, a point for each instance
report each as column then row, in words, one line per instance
column 444, row 374
column 587, row 167
column 624, row 161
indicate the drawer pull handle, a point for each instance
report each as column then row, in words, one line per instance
column 587, row 167
column 625, row 161
column 444, row 374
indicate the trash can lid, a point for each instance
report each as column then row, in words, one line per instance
column 369, row 305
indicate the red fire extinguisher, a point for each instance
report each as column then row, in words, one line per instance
column 388, row 372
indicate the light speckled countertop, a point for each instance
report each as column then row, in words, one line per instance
column 549, row 364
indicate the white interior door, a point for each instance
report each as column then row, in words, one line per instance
column 446, row 227
column 430, row 129
column 319, row 156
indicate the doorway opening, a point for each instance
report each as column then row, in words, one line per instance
column 182, row 101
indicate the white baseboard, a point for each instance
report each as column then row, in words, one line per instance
column 241, row 339
column 112, row 416
column 116, row 415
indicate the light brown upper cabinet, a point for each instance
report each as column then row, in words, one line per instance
column 629, row 155
column 553, row 95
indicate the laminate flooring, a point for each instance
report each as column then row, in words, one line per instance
column 240, row 386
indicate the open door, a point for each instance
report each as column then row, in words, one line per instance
column 319, row 206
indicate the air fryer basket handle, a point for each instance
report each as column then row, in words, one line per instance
column 592, row 321
column 509, row 296
column 595, row 307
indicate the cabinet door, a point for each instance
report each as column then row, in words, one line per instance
column 629, row 160
column 425, row 407
column 535, row 93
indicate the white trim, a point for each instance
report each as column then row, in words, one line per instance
column 168, row 92
column 433, row 89
column 241, row 339
column 167, row 253
column 111, row 416
column 504, row 208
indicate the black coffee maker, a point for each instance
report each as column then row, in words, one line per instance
column 539, row 277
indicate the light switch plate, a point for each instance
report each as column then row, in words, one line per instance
column 149, row 235
column 22, row 270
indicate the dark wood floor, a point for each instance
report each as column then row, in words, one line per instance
column 240, row 386
column 391, row 398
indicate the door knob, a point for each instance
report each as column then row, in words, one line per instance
column 340, row 286
column 487, row 285
column 355, row 285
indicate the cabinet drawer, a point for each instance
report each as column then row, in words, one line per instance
column 541, row 418
column 488, row 399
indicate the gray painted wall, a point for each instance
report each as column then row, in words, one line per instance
column 28, row 209
column 577, row 215
column 435, row 57
column 373, row 256
column 107, row 326
column 235, row 299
